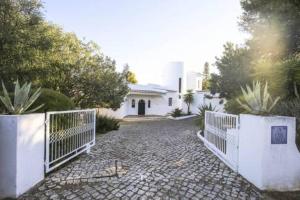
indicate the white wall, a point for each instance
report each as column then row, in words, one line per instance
column 159, row 104
column 171, row 74
column 192, row 79
column 199, row 99
column 118, row 114
column 21, row 153
column 268, row 166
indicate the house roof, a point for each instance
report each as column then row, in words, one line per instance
column 150, row 88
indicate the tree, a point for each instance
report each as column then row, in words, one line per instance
column 234, row 71
column 31, row 49
column 101, row 86
column 188, row 99
column 130, row 76
column 275, row 42
column 205, row 81
column 272, row 24
column 20, row 28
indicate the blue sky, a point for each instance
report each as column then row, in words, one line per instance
column 148, row 33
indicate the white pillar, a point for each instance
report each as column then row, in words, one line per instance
column 268, row 156
column 21, row 153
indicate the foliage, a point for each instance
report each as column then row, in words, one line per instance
column 22, row 99
column 53, row 101
column 205, row 81
column 101, row 87
column 201, row 114
column 256, row 101
column 176, row 112
column 35, row 50
column 207, row 96
column 105, row 124
column 130, row 76
column 234, row 71
column 282, row 75
column 20, row 28
column 270, row 55
column 188, row 99
column 214, row 83
column 233, row 107
column 291, row 108
column 221, row 101
column 260, row 16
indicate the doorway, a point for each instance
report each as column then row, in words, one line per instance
column 141, row 107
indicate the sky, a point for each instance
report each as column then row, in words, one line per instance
column 147, row 34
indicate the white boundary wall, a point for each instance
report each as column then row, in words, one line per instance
column 199, row 100
column 21, row 153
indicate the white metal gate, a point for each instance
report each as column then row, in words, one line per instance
column 68, row 133
column 221, row 136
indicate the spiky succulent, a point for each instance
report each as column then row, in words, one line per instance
column 256, row 101
column 22, row 99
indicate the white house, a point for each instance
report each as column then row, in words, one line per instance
column 161, row 99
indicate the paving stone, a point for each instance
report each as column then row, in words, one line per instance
column 146, row 160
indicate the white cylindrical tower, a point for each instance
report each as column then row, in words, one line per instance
column 172, row 76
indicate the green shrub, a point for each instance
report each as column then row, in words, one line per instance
column 208, row 96
column 105, row 124
column 291, row 108
column 201, row 115
column 53, row 101
column 177, row 112
column 233, row 107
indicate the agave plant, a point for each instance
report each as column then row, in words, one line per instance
column 22, row 99
column 256, row 101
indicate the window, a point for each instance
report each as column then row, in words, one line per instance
column 133, row 103
column 149, row 104
column 170, row 101
column 179, row 85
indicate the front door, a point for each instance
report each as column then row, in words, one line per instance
column 141, row 107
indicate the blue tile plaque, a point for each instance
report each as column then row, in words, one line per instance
column 279, row 135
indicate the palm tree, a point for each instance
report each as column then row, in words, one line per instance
column 188, row 99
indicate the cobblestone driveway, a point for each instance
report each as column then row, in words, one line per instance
column 146, row 160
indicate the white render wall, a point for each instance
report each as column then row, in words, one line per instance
column 268, row 166
column 159, row 105
column 192, row 79
column 199, row 100
column 118, row 114
column 21, row 153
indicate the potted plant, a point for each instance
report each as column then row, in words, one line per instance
column 21, row 142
